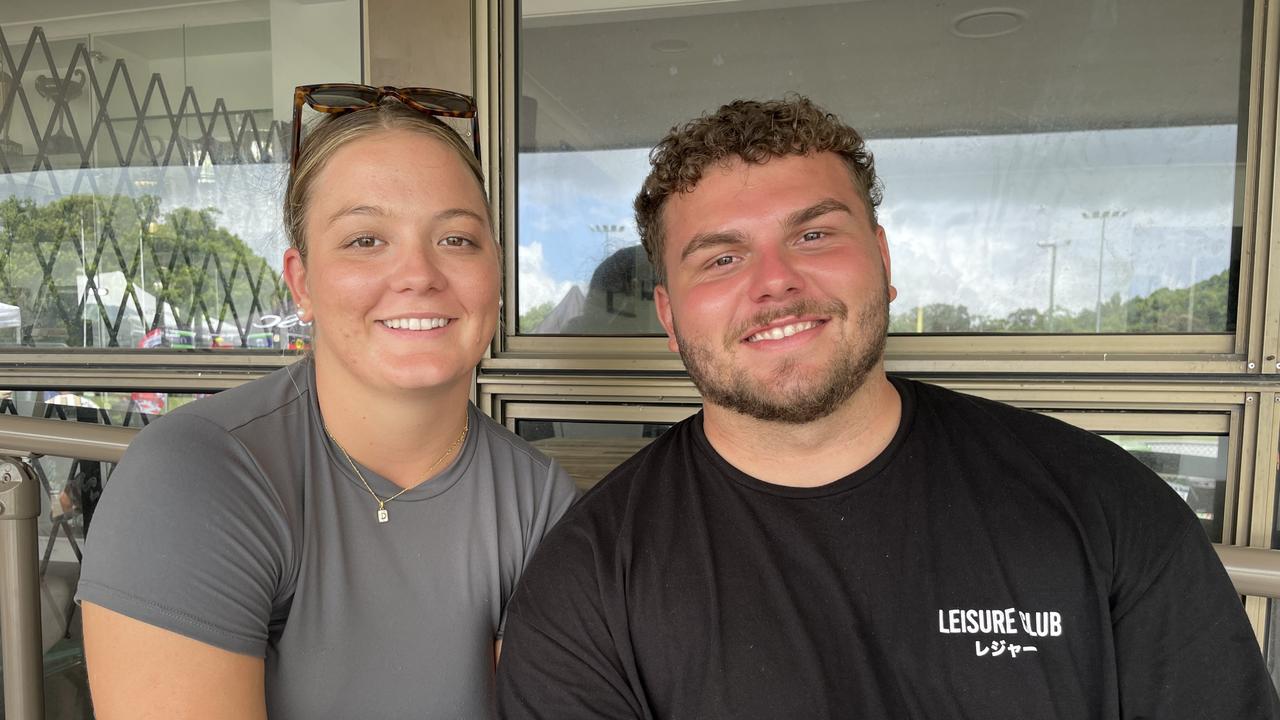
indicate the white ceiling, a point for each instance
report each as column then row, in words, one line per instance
column 890, row 67
column 600, row 77
column 79, row 18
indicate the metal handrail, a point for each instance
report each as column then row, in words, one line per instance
column 1254, row 571
column 20, row 492
column 83, row 441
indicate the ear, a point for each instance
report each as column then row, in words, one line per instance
column 883, row 244
column 295, row 276
column 662, row 302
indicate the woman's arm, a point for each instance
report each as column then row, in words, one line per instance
column 139, row 671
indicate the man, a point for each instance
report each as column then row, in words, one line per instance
column 824, row 541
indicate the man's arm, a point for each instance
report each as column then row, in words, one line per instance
column 139, row 671
column 1185, row 648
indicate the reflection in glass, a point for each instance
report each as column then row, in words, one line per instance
column 70, row 490
column 1195, row 466
column 1273, row 640
column 589, row 450
column 134, row 409
column 1086, row 192
column 141, row 172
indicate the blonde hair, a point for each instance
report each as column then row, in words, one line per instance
column 333, row 131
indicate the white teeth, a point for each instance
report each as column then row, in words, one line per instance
column 785, row 331
column 416, row 323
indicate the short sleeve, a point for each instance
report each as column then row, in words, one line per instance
column 189, row 537
column 1185, row 648
column 558, row 493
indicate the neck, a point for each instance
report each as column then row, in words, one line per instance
column 402, row 436
column 814, row 453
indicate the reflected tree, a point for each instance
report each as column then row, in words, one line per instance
column 1200, row 308
column 105, row 269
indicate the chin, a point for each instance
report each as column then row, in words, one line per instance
column 424, row 376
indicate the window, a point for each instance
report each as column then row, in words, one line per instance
column 141, row 170
column 1045, row 170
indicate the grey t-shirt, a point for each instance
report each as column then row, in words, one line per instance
column 237, row 522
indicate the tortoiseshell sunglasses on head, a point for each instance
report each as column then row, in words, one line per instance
column 348, row 97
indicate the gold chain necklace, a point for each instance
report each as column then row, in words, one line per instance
column 383, row 516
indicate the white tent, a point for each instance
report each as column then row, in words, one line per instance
column 569, row 307
column 10, row 316
column 112, row 291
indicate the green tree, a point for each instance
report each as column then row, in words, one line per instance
column 204, row 274
column 534, row 317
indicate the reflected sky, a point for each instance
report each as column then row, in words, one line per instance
column 965, row 216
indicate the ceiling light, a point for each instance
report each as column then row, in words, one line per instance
column 670, row 46
column 988, row 22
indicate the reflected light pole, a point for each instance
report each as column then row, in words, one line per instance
column 608, row 232
column 1102, row 215
column 1052, row 245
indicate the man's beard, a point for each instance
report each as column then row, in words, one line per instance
column 723, row 384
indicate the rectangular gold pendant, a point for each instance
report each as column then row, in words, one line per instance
column 382, row 515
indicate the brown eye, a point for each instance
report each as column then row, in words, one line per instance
column 456, row 241
column 365, row 241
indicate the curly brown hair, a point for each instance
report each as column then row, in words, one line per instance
column 754, row 131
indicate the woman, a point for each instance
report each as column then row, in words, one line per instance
column 339, row 538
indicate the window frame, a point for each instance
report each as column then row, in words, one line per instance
column 1220, row 353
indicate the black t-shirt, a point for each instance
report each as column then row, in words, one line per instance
column 990, row 563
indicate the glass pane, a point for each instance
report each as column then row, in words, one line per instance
column 589, row 450
column 1272, row 643
column 123, row 409
column 69, row 493
column 1194, row 465
column 1045, row 170
column 141, row 170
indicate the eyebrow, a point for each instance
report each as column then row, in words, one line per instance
column 705, row 240
column 815, row 211
column 378, row 210
column 734, row 238
column 452, row 213
column 358, row 210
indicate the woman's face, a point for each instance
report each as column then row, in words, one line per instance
column 401, row 274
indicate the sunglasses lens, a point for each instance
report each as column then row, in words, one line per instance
column 437, row 100
column 344, row 97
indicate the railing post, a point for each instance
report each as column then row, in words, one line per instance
column 20, row 592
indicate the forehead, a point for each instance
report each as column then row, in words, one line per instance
column 397, row 167
column 735, row 194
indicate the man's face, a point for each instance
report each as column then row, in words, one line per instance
column 777, row 293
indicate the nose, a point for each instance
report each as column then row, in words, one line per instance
column 417, row 269
column 774, row 275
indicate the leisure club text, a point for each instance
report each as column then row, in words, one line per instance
column 1009, row 621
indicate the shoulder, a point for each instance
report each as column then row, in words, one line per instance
column 1094, row 474
column 267, row 424
column 239, row 448
column 533, row 483
column 506, row 446
column 981, row 422
column 277, row 393
column 647, row 484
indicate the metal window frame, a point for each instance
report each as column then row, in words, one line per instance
column 1245, row 351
